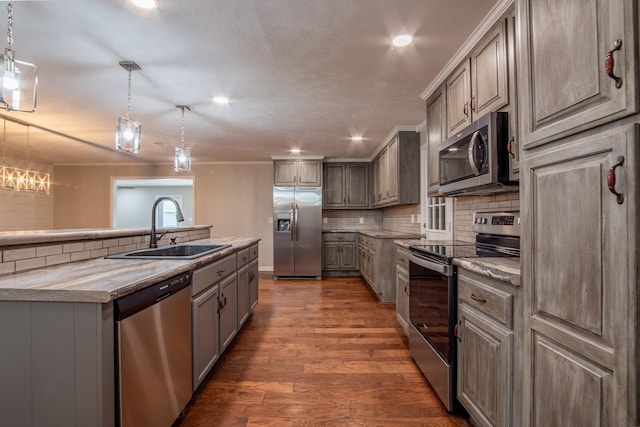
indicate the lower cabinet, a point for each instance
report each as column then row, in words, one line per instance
column 375, row 255
column 228, row 311
column 253, row 284
column 340, row 251
column 486, row 348
column 205, row 330
column 244, row 308
column 402, row 288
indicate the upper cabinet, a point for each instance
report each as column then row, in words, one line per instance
column 576, row 66
column 435, row 135
column 480, row 84
column 346, row 185
column 301, row 173
column 396, row 171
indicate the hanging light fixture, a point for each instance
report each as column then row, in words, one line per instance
column 19, row 179
column 182, row 160
column 19, row 79
column 128, row 133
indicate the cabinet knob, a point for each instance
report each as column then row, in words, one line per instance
column 220, row 272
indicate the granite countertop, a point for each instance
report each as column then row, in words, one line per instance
column 10, row 238
column 376, row 233
column 102, row 280
column 504, row 269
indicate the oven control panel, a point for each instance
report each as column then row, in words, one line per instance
column 501, row 223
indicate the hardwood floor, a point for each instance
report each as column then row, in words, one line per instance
column 318, row 353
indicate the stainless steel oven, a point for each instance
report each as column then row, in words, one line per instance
column 433, row 295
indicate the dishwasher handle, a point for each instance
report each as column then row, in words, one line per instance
column 131, row 304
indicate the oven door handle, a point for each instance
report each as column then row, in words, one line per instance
column 445, row 269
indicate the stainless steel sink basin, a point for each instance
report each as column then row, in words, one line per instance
column 186, row 251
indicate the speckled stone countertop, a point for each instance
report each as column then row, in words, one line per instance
column 10, row 238
column 504, row 269
column 102, row 280
column 378, row 234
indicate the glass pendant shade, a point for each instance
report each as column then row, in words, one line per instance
column 19, row 84
column 128, row 135
column 182, row 160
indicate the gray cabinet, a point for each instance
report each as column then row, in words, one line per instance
column 346, row 185
column 253, row 277
column 243, row 295
column 375, row 268
column 301, row 173
column 480, row 84
column 581, row 280
column 205, row 329
column 563, row 84
column 396, row 171
column 485, row 349
column 402, row 288
column 436, row 133
column 340, row 251
column 228, row 307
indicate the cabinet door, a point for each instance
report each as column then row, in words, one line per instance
column 228, row 311
column 253, row 283
column 377, row 192
column 489, row 78
column 331, row 259
column 458, row 88
column 309, row 173
column 435, row 135
column 243, row 295
column 402, row 297
column 485, row 363
column 391, row 174
column 284, row 172
column 333, row 189
column 580, row 281
column 205, row 344
column 348, row 256
column 357, row 185
column 563, row 86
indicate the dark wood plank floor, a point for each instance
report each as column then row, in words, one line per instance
column 318, row 353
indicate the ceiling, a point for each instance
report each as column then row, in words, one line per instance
column 305, row 74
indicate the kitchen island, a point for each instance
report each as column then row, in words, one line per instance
column 57, row 328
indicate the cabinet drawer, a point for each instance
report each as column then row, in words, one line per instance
column 253, row 252
column 212, row 273
column 486, row 299
column 402, row 257
column 243, row 257
column 339, row 237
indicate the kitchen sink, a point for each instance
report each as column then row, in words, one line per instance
column 185, row 251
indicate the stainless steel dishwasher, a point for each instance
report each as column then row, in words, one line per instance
column 153, row 341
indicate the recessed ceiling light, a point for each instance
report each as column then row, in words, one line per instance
column 356, row 138
column 295, row 151
column 221, row 100
column 402, row 40
column 146, row 4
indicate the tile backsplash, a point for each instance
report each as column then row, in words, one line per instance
column 391, row 219
column 466, row 206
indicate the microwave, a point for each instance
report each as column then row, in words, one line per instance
column 477, row 159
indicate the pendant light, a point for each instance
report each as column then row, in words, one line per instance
column 182, row 160
column 19, row 79
column 128, row 133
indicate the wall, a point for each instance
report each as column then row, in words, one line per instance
column 236, row 198
column 465, row 207
column 25, row 210
column 399, row 218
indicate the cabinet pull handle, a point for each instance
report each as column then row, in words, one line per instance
column 220, row 272
column 455, row 332
column 611, row 180
column 464, row 109
column 510, row 147
column 609, row 64
column 480, row 300
column 471, row 102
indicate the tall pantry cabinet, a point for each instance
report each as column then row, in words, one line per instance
column 577, row 64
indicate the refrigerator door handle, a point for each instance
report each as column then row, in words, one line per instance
column 295, row 224
column 292, row 223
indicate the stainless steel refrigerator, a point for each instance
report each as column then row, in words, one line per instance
column 297, row 232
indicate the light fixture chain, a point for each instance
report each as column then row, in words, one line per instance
column 129, row 95
column 4, row 141
column 10, row 24
column 182, row 129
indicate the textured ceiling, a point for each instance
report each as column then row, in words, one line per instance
column 307, row 74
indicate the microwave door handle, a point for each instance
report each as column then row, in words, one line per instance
column 472, row 148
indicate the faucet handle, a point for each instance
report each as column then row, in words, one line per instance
column 173, row 239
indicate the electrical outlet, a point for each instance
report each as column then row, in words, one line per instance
column 412, row 218
column 324, row 220
column 361, row 220
column 270, row 220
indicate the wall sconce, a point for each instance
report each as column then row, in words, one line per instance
column 182, row 159
column 128, row 132
column 19, row 79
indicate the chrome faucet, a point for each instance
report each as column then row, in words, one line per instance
column 153, row 241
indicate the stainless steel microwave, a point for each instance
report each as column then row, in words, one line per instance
column 476, row 160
